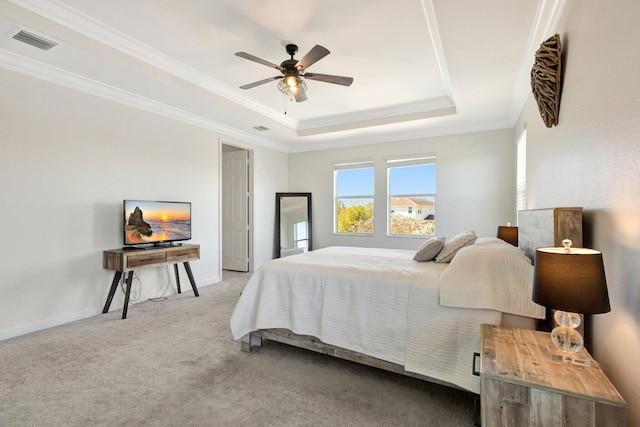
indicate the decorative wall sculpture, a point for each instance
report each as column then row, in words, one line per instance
column 546, row 79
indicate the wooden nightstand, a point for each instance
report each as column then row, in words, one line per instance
column 521, row 386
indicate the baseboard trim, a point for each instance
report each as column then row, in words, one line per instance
column 49, row 323
column 206, row 282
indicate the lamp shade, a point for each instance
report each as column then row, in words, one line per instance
column 570, row 279
column 509, row 234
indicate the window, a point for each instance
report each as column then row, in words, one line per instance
column 300, row 234
column 521, row 172
column 411, row 184
column 353, row 195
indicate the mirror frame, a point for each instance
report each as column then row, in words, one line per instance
column 279, row 197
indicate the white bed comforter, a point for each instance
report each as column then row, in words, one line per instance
column 380, row 303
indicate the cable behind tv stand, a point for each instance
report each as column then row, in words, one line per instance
column 128, row 260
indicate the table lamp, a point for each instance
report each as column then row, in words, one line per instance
column 570, row 280
column 508, row 233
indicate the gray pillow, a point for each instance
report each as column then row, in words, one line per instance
column 429, row 249
column 455, row 244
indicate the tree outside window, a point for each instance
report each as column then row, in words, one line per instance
column 354, row 194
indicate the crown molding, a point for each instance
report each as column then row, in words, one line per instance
column 81, row 23
column 436, row 107
column 412, row 135
column 548, row 15
column 434, row 32
column 75, row 20
column 48, row 73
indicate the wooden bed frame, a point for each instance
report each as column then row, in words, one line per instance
column 539, row 227
column 285, row 336
column 549, row 227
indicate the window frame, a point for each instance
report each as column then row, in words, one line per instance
column 407, row 161
column 521, row 172
column 350, row 165
column 296, row 230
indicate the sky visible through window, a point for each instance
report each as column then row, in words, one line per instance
column 403, row 180
column 413, row 179
column 355, row 182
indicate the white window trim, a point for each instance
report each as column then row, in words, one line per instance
column 403, row 161
column 346, row 165
column 418, row 159
column 521, row 172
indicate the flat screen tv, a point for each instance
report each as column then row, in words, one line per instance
column 154, row 223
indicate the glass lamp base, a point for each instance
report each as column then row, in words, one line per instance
column 558, row 355
column 567, row 341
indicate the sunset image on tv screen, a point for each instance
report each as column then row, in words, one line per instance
column 151, row 222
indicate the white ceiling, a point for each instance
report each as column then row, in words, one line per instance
column 420, row 67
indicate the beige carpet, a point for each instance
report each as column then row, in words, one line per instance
column 174, row 363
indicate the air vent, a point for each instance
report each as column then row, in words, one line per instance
column 34, row 40
column 261, row 128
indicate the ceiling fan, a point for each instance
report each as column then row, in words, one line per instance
column 292, row 70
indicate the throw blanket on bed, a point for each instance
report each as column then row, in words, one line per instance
column 353, row 298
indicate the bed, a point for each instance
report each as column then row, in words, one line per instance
column 381, row 308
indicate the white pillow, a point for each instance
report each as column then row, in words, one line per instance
column 491, row 276
column 429, row 249
column 485, row 240
column 455, row 244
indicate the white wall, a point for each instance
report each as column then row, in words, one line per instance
column 68, row 160
column 270, row 177
column 592, row 159
column 475, row 185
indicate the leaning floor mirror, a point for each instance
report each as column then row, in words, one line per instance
column 293, row 224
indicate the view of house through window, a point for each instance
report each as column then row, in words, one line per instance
column 353, row 194
column 411, row 195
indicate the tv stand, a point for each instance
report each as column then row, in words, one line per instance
column 128, row 260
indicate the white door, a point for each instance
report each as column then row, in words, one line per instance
column 235, row 210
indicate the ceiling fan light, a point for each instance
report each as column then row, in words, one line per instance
column 292, row 85
column 292, row 81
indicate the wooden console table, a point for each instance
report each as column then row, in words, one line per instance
column 122, row 261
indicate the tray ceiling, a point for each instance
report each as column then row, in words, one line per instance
column 420, row 67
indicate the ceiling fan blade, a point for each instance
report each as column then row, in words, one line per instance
column 302, row 97
column 253, row 58
column 338, row 80
column 314, row 55
column 260, row 82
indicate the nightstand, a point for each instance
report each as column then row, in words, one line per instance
column 521, row 386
